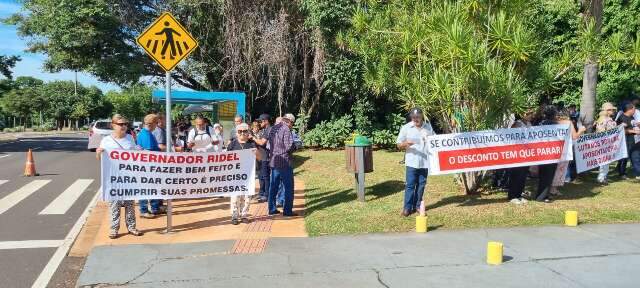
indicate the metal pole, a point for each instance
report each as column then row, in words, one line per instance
column 360, row 175
column 168, row 142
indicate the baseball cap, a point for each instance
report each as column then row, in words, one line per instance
column 263, row 117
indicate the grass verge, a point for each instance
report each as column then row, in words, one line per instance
column 332, row 207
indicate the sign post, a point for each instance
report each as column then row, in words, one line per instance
column 167, row 42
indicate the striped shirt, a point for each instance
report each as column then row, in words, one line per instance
column 280, row 145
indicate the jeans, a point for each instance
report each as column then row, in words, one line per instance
column 416, row 179
column 280, row 196
column 286, row 176
column 635, row 161
column 265, row 173
column 155, row 205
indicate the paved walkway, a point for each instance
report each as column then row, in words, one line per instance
column 552, row 256
column 196, row 221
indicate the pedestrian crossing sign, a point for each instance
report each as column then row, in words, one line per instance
column 166, row 41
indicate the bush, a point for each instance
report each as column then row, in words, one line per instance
column 330, row 134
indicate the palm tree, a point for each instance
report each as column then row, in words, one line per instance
column 590, row 39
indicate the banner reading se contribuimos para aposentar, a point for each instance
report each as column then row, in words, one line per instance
column 497, row 149
column 134, row 174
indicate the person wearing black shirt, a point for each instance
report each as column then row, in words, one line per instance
column 627, row 120
column 546, row 171
column 240, row 204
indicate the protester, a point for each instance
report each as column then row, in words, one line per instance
column 147, row 141
column 255, row 127
column 626, row 119
column 560, row 176
column 218, row 138
column 413, row 139
column 120, row 140
column 200, row 138
column 518, row 175
column 160, row 133
column 281, row 146
column 546, row 171
column 605, row 122
column 236, row 121
column 240, row 204
column 263, row 153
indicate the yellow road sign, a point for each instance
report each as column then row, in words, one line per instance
column 166, row 41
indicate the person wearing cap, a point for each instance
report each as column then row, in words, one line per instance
column 263, row 152
column 413, row 140
column 240, row 204
column 280, row 143
column 605, row 122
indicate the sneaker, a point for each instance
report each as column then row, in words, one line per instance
column 136, row 232
column 235, row 221
column 147, row 215
column 113, row 234
column 523, row 201
column 262, row 199
column 516, row 201
column 245, row 220
column 637, row 178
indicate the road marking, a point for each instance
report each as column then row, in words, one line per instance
column 64, row 201
column 7, row 245
column 6, row 155
column 14, row 198
column 61, row 252
column 54, row 140
column 3, row 181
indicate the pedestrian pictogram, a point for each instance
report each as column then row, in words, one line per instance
column 166, row 41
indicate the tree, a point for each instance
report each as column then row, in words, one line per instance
column 470, row 64
column 133, row 102
column 6, row 64
column 23, row 98
column 591, row 38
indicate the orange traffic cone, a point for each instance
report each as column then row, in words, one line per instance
column 30, row 166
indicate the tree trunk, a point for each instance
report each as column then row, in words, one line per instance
column 588, row 101
column 471, row 181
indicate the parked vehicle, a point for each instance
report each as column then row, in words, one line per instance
column 98, row 130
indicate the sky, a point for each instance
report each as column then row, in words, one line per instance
column 31, row 64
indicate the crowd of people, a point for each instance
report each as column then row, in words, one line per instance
column 550, row 177
column 273, row 145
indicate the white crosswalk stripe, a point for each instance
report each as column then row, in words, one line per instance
column 64, row 201
column 8, row 245
column 14, row 198
column 3, row 181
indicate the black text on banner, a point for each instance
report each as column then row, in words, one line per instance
column 134, row 175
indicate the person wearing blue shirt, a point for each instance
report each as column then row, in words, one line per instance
column 148, row 142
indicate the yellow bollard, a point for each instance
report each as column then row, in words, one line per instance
column 571, row 218
column 421, row 224
column 494, row 253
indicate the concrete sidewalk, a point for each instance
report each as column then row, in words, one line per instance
column 552, row 256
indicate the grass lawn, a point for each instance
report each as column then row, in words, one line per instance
column 332, row 207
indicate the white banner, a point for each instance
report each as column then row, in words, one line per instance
column 135, row 174
column 597, row 149
column 497, row 149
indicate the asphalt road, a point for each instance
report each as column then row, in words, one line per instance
column 40, row 216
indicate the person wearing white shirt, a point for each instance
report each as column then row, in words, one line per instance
column 119, row 139
column 413, row 139
column 202, row 138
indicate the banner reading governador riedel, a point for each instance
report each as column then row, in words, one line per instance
column 497, row 149
column 133, row 174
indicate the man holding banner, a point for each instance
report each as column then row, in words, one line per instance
column 413, row 139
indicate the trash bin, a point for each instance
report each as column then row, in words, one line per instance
column 359, row 160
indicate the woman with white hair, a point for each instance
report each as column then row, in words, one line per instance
column 240, row 204
column 119, row 139
column 605, row 122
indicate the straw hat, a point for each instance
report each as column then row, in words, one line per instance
column 608, row 106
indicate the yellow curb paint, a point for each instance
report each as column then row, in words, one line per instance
column 494, row 253
column 571, row 218
column 421, row 224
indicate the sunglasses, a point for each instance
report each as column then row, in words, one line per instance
column 243, row 131
column 120, row 124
